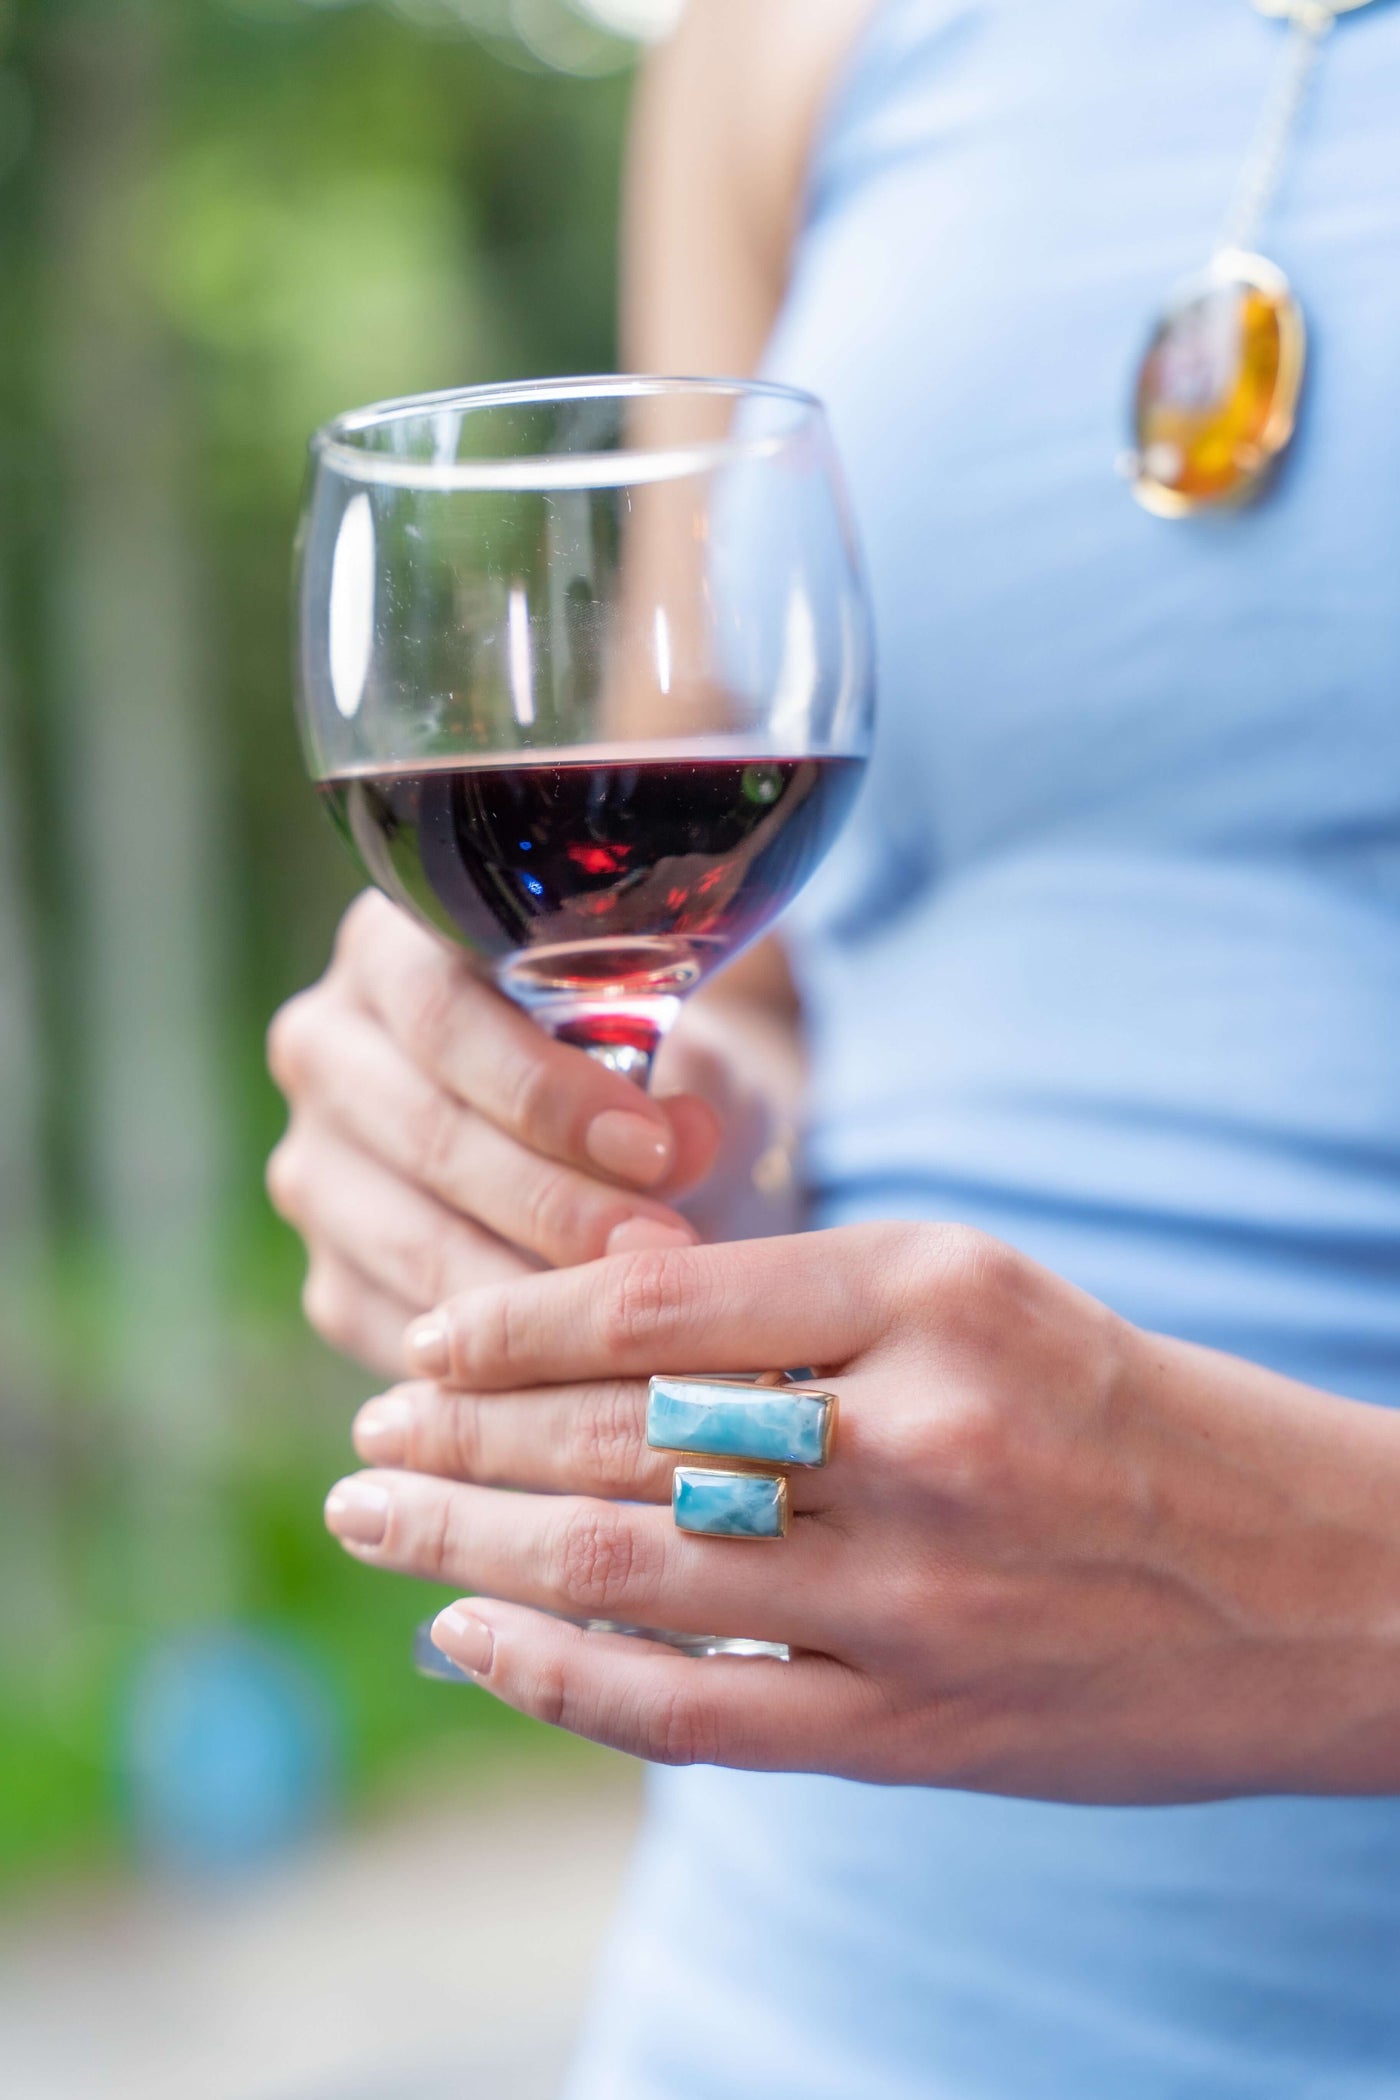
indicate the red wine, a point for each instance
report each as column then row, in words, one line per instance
column 602, row 878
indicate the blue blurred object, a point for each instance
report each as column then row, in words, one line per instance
column 231, row 1751
column 429, row 1660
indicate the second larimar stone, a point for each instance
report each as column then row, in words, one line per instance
column 729, row 1505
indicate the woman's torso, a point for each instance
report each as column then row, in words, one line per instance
column 1109, row 964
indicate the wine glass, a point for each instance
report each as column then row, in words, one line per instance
column 585, row 678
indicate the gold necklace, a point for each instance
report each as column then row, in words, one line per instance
column 1217, row 389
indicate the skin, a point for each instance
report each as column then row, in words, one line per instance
column 1053, row 1555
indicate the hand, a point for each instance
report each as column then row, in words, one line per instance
column 1052, row 1555
column 439, row 1140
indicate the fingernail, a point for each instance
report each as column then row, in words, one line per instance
column 635, row 1234
column 631, row 1147
column 467, row 1639
column 381, row 1429
column 357, row 1512
column 426, row 1348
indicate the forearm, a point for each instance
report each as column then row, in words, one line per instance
column 1277, row 1508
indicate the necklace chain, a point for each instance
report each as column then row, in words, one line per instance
column 1310, row 22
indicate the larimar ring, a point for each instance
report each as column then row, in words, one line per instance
column 761, row 1422
column 718, row 1505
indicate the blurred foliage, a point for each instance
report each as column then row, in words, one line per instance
column 329, row 204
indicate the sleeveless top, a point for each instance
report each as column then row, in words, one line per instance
column 1108, row 963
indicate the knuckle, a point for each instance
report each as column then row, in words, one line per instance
column 461, row 1442
column 989, row 1267
column 681, row 1729
column 461, row 1261
column 434, row 1137
column 327, row 1307
column 420, row 1262
column 316, row 1298
column 611, row 1436
column 643, row 1296
column 357, row 928
column 965, row 1452
column 550, row 1699
column 437, row 1556
column 486, row 1348
column 289, row 1036
column 931, row 1258
column 529, row 1096
column 971, row 1284
column 426, row 1013
column 597, row 1558
column 971, row 1268
column 404, row 1251
column 553, row 1220
column 285, row 1178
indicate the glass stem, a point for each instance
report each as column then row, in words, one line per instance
column 623, row 1034
column 625, row 1059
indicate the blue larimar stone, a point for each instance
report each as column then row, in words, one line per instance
column 729, row 1505
column 725, row 1418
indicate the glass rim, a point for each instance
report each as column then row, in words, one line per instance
column 334, row 443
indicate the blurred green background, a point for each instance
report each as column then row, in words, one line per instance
column 221, row 221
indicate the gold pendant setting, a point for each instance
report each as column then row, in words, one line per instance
column 1217, row 390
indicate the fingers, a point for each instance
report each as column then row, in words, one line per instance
column 589, row 1440
column 408, row 1244
column 751, row 1305
column 363, row 1085
column 472, row 1041
column 642, row 1698
column 354, row 1316
column 591, row 1559
column 697, row 1132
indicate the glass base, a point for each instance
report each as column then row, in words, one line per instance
column 429, row 1661
column 628, row 1060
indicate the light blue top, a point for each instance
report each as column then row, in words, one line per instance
column 1109, row 963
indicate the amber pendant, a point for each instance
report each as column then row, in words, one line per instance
column 1217, row 390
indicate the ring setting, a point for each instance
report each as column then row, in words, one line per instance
column 755, row 1423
